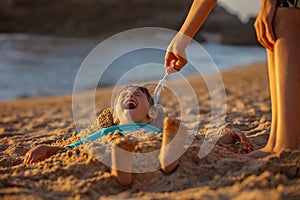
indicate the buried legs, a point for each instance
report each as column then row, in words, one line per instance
column 168, row 157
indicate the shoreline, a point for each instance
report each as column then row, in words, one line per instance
column 108, row 85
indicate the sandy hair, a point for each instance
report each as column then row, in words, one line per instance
column 140, row 87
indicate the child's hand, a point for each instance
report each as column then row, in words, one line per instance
column 40, row 153
column 238, row 135
column 264, row 24
column 235, row 135
column 174, row 62
column 175, row 58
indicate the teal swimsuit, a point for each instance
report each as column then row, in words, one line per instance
column 123, row 128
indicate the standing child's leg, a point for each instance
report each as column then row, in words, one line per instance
column 274, row 106
column 287, row 63
column 170, row 154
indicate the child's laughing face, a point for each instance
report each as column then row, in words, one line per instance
column 132, row 105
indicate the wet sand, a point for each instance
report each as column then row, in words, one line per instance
column 77, row 174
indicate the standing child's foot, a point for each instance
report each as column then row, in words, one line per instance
column 260, row 153
column 266, row 150
column 122, row 159
column 169, row 154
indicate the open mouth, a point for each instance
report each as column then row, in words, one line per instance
column 129, row 105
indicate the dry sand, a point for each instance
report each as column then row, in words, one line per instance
column 78, row 174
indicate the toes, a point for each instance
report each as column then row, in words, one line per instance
column 259, row 154
column 171, row 125
column 168, row 121
column 172, row 122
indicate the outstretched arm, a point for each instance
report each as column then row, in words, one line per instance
column 40, row 153
column 175, row 57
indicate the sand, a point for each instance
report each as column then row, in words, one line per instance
column 76, row 174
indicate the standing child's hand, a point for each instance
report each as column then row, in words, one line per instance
column 175, row 57
column 174, row 61
column 264, row 24
column 40, row 153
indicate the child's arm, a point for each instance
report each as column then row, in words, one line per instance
column 175, row 57
column 40, row 153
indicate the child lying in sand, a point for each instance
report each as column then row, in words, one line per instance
column 132, row 111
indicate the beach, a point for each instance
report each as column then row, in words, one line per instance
column 225, row 173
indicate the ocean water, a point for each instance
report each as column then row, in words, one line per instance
column 35, row 66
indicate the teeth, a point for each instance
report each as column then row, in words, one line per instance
column 130, row 104
column 133, row 103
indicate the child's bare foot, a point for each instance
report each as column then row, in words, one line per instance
column 270, row 148
column 265, row 151
column 260, row 153
column 169, row 155
column 122, row 159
